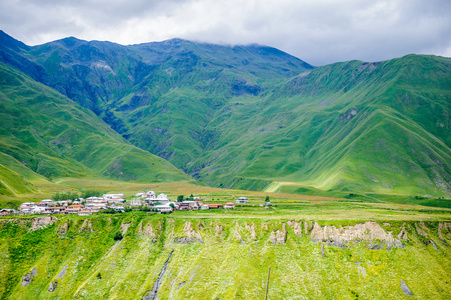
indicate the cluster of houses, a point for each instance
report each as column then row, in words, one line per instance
column 81, row 206
column 160, row 203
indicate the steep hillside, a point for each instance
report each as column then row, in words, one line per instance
column 354, row 126
column 43, row 132
column 224, row 258
column 253, row 117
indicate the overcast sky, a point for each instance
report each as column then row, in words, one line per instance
column 317, row 31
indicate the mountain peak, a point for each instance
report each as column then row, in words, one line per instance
column 7, row 41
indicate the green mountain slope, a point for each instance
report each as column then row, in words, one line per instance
column 51, row 135
column 253, row 117
column 351, row 126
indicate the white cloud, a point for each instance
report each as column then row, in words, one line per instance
column 318, row 32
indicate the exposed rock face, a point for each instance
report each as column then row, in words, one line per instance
column 444, row 228
column 52, row 286
column 63, row 272
column 421, row 229
column 405, row 289
column 153, row 294
column 297, row 227
column 265, row 226
column 147, row 231
column 237, row 234
column 279, row 236
column 368, row 232
column 63, row 228
column 42, row 222
column 403, row 234
column 218, row 230
column 191, row 235
column 251, row 229
column 27, row 278
column 124, row 227
column 86, row 225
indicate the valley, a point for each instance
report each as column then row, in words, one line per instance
column 353, row 156
column 250, row 117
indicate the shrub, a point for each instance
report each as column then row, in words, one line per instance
column 118, row 236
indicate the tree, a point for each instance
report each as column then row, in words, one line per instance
column 171, row 205
column 99, row 276
column 180, row 198
column 267, row 199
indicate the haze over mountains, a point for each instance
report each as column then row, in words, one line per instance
column 248, row 117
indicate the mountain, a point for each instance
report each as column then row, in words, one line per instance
column 254, row 117
column 45, row 135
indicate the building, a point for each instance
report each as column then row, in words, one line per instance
column 163, row 208
column 74, row 209
column 229, row 205
column 161, row 199
column 242, row 200
column 112, row 196
column 136, row 202
column 204, row 207
column 215, row 206
column 149, row 195
column 84, row 213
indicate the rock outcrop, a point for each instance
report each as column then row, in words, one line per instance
column 27, row 278
column 63, row 272
column 192, row 236
column 124, row 227
column 369, row 232
column 405, row 289
column 86, row 225
column 444, row 228
column 279, row 236
column 148, row 230
column 237, row 234
column 403, row 233
column 297, row 227
column 421, row 229
column 63, row 228
column 218, row 230
column 251, row 229
column 42, row 222
column 52, row 286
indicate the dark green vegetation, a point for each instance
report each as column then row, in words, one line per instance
column 44, row 135
column 87, row 261
column 251, row 117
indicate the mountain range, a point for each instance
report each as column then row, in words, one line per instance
column 248, row 117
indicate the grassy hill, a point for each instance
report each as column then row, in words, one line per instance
column 253, row 117
column 44, row 135
column 210, row 258
column 381, row 128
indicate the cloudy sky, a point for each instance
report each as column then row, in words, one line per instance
column 317, row 31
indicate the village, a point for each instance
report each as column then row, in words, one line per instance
column 113, row 203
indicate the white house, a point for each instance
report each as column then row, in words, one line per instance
column 229, row 205
column 204, row 207
column 242, row 200
column 118, row 208
column 112, row 196
column 163, row 208
column 136, row 202
column 149, row 195
column 161, row 199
